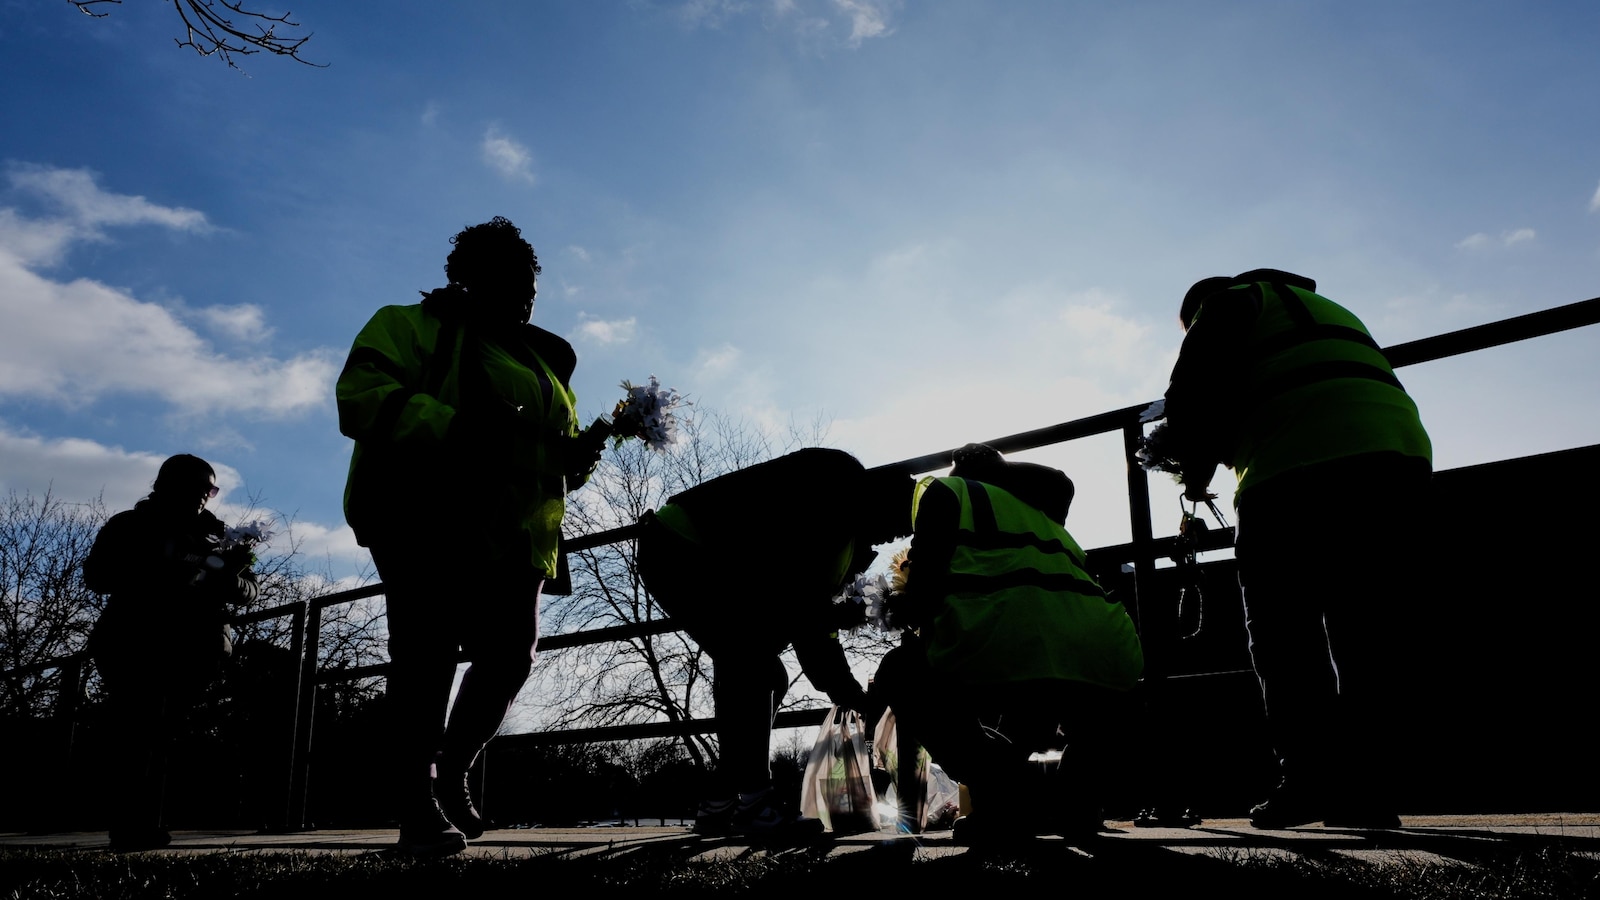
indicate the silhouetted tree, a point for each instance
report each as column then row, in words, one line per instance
column 45, row 609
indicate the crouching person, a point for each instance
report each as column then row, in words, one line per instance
column 1016, row 649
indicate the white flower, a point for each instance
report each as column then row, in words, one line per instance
column 247, row 535
column 871, row 592
column 648, row 412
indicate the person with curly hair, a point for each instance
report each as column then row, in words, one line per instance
column 466, row 444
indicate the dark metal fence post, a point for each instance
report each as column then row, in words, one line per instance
column 305, row 716
column 1144, row 556
column 290, row 819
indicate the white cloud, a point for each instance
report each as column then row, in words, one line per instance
column 86, row 205
column 716, row 362
column 506, row 156
column 1482, row 241
column 868, row 18
column 601, row 331
column 807, row 18
column 579, row 253
column 72, row 342
column 1594, row 202
column 75, row 470
column 245, row 322
column 430, row 113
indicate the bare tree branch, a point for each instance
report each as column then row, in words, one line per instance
column 227, row 31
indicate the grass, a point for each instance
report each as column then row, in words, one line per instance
column 1549, row 873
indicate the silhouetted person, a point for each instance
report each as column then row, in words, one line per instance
column 466, row 447
column 163, row 636
column 807, row 522
column 1017, row 649
column 1289, row 390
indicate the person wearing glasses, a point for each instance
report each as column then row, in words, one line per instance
column 164, row 634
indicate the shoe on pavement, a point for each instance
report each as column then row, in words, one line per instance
column 430, row 834
column 714, row 818
column 455, row 801
column 759, row 820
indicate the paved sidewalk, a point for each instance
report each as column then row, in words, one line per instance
column 1419, row 837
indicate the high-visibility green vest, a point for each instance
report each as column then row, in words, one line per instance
column 1019, row 605
column 1319, row 389
column 398, row 395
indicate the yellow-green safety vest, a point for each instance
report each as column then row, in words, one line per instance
column 1319, row 389
column 1020, row 605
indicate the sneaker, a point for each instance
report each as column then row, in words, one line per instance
column 714, row 818
column 134, row 840
column 430, row 834
column 758, row 820
column 455, row 801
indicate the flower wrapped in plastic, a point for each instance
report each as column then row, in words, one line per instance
column 1155, row 451
column 868, row 599
column 249, row 535
column 647, row 412
column 236, row 549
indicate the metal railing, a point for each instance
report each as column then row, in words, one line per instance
column 1142, row 552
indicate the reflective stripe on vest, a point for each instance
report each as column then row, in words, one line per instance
column 1320, row 389
column 1020, row 606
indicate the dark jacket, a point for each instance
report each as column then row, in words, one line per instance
column 169, row 587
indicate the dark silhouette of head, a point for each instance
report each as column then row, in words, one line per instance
column 884, row 513
column 497, row 268
column 1044, row 488
column 1205, row 288
column 183, row 481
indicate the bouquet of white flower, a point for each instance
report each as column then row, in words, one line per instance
column 871, row 593
column 248, row 535
column 647, row 412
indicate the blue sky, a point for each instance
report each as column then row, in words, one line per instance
column 926, row 222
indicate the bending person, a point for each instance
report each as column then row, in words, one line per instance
column 810, row 518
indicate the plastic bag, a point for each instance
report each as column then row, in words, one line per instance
column 837, row 787
column 936, row 794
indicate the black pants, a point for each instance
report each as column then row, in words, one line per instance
column 749, row 679
column 438, row 611
column 982, row 736
column 1329, row 560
